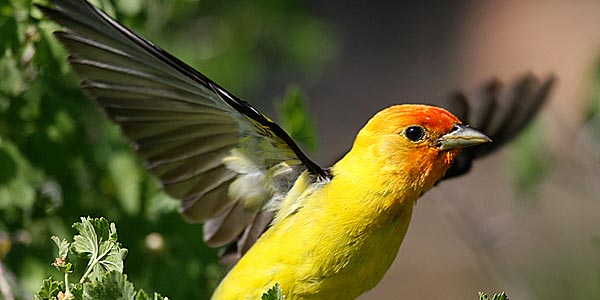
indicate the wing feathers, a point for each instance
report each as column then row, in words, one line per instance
column 139, row 130
column 221, row 230
column 487, row 110
column 499, row 114
column 259, row 224
column 181, row 123
column 200, row 184
column 125, row 115
column 211, row 204
column 186, row 133
column 187, row 150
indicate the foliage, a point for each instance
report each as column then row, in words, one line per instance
column 295, row 118
column 60, row 159
column 273, row 293
column 103, row 277
column 501, row 296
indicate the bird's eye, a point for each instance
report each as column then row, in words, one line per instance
column 414, row 133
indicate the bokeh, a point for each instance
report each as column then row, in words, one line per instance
column 525, row 220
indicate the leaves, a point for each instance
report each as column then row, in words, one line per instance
column 60, row 159
column 97, row 241
column 12, row 82
column 61, row 262
column 110, row 286
column 16, row 180
column 49, row 290
column 501, row 296
column 63, row 246
column 296, row 120
column 273, row 293
column 123, row 169
column 103, row 278
column 141, row 295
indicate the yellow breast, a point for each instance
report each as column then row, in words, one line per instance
column 333, row 244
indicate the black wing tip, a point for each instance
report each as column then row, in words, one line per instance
column 540, row 89
column 549, row 81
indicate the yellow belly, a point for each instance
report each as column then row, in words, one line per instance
column 326, row 250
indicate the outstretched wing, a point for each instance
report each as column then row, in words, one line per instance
column 222, row 158
column 501, row 115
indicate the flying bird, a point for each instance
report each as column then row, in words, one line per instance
column 321, row 233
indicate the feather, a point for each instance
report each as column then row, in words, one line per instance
column 221, row 157
column 501, row 115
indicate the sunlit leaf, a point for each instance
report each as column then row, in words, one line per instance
column 110, row 286
column 97, row 241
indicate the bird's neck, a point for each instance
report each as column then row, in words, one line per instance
column 394, row 182
column 376, row 191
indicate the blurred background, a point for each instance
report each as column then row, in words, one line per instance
column 525, row 220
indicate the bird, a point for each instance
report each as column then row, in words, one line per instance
column 320, row 233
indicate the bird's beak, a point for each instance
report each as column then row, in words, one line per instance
column 462, row 136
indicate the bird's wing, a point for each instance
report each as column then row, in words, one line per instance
column 499, row 114
column 222, row 158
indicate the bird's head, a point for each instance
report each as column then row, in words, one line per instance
column 410, row 146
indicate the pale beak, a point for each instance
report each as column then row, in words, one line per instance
column 462, row 136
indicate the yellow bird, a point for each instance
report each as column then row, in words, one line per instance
column 336, row 238
column 319, row 233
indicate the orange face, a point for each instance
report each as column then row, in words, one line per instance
column 433, row 119
column 403, row 143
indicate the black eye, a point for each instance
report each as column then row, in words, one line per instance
column 414, row 133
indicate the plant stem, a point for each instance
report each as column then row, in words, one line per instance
column 91, row 266
column 67, row 292
column 87, row 271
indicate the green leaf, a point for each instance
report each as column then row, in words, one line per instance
column 49, row 289
column 64, row 157
column 501, row 296
column 126, row 176
column 273, row 293
column 296, row 120
column 9, row 166
column 110, row 286
column 61, row 262
column 63, row 246
column 158, row 296
column 12, row 81
column 97, row 241
column 9, row 30
column 17, row 179
column 49, row 55
column 77, row 291
column 141, row 295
